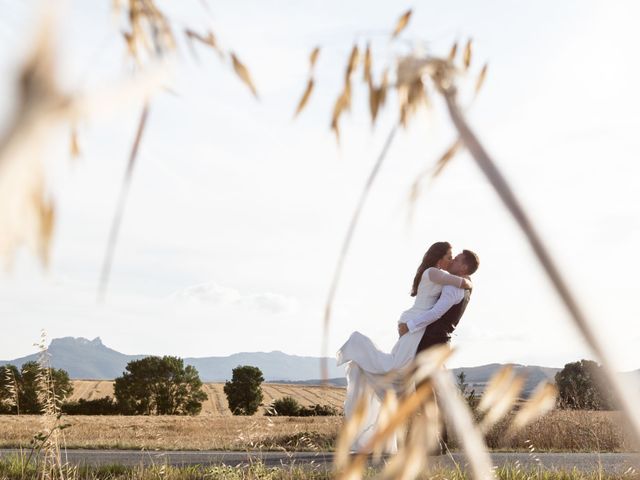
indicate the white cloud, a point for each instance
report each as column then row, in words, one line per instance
column 218, row 295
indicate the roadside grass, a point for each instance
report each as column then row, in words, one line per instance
column 15, row 469
column 560, row 430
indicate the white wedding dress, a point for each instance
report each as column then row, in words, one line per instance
column 368, row 366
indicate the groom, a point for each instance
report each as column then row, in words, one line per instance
column 442, row 319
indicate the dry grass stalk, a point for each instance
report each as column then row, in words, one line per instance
column 346, row 244
column 209, row 39
column 27, row 212
column 466, row 58
column 12, row 385
column 402, row 23
column 74, row 147
column 366, row 75
column 348, row 434
column 481, row 78
column 51, row 437
column 453, row 52
column 122, row 200
column 541, row 401
column 313, row 57
column 502, row 405
column 405, row 410
column 410, row 83
column 459, row 417
column 305, row 97
column 496, row 388
column 149, row 29
column 627, row 399
column 352, row 64
column 243, row 73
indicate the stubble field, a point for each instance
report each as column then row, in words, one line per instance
column 216, row 403
column 216, row 429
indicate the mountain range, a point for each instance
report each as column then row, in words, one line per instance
column 92, row 360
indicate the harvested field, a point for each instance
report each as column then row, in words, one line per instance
column 216, row 404
column 203, row 432
column 580, row 431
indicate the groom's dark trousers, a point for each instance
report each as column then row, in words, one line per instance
column 440, row 331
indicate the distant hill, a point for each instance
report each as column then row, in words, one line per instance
column 91, row 359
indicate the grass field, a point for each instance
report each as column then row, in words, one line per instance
column 216, row 404
column 558, row 431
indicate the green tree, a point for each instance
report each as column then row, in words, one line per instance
column 20, row 389
column 161, row 386
column 244, row 393
column 579, row 387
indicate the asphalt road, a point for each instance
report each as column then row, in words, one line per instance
column 611, row 462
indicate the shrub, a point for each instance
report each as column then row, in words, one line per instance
column 99, row 406
column 318, row 410
column 290, row 407
column 284, row 407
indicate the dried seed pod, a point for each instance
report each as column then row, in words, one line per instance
column 503, row 404
column 542, row 400
column 467, row 55
column 402, row 23
column 481, row 78
column 313, row 58
column 374, row 102
column 453, row 52
column 352, row 64
column 498, row 384
column 74, row 146
column 243, row 73
column 367, row 65
column 305, row 97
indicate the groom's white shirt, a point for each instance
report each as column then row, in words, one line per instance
column 448, row 298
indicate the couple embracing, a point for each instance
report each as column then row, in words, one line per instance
column 442, row 290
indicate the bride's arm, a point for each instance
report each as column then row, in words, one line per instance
column 445, row 278
column 448, row 298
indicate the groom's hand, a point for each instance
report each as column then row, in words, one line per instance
column 402, row 329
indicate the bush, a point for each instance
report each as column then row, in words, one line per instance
column 318, row 410
column 99, row 406
column 244, row 393
column 284, row 407
column 290, row 407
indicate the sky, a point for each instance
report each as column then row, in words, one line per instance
column 237, row 212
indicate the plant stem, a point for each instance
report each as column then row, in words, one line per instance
column 347, row 243
column 627, row 399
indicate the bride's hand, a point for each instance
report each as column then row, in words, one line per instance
column 467, row 284
column 402, row 329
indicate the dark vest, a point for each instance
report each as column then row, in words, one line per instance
column 440, row 331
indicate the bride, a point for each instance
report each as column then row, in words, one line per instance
column 368, row 366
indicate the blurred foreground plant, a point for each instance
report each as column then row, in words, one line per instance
column 417, row 78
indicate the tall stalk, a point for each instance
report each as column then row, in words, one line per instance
column 346, row 243
column 627, row 399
